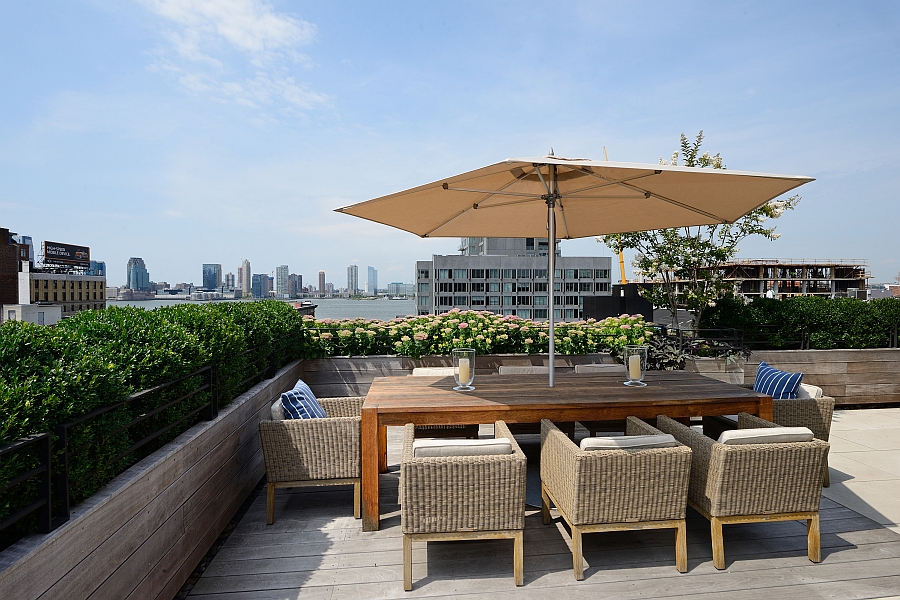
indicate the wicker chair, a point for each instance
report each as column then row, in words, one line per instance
column 462, row 498
column 314, row 452
column 753, row 482
column 615, row 490
column 443, row 431
column 814, row 413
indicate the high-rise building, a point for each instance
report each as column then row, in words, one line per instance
column 321, row 282
column 9, row 268
column 246, row 277
column 138, row 278
column 295, row 284
column 282, row 282
column 258, row 285
column 372, row 281
column 352, row 280
column 229, row 281
column 96, row 268
column 212, row 276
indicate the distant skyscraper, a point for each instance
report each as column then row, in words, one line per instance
column 258, row 286
column 137, row 276
column 372, row 280
column 246, row 277
column 352, row 280
column 97, row 268
column 212, row 276
column 295, row 284
column 229, row 281
column 321, row 282
column 282, row 284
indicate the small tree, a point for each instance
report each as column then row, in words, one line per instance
column 694, row 256
column 897, row 277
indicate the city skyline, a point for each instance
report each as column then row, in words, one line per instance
column 122, row 136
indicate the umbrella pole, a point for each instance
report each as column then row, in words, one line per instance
column 551, row 262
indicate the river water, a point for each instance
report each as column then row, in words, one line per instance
column 327, row 308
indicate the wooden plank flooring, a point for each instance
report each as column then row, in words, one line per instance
column 317, row 550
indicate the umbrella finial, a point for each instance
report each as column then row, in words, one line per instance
column 551, row 152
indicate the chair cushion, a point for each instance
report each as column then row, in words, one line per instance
column 775, row 383
column 277, row 410
column 807, row 390
column 663, row 440
column 432, row 371
column 766, row 435
column 301, row 403
column 432, row 448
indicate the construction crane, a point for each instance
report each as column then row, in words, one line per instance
column 621, row 256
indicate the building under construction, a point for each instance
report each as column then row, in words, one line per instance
column 783, row 278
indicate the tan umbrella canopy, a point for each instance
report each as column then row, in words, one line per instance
column 567, row 198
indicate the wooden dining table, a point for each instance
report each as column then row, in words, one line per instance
column 528, row 399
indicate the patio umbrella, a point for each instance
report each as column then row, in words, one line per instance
column 570, row 198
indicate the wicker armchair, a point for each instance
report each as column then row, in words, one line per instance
column 753, row 482
column 814, row 413
column 615, row 490
column 314, row 452
column 462, row 498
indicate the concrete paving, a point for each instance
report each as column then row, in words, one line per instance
column 865, row 463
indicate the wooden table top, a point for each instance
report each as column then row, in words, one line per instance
column 511, row 392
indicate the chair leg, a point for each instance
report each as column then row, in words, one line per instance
column 270, row 504
column 518, row 558
column 813, row 541
column 681, row 547
column 718, row 544
column 577, row 560
column 407, row 563
column 357, row 497
column 545, row 506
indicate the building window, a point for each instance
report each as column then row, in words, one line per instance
column 37, row 284
column 54, row 284
column 540, row 273
column 557, row 313
column 79, row 287
column 540, row 313
column 422, row 301
column 493, row 273
column 523, row 313
column 571, row 287
column 524, row 300
column 445, row 301
column 507, row 312
column 54, row 296
column 477, row 287
column 585, row 273
column 445, row 287
column 540, row 287
column 71, row 287
column 423, row 274
column 509, row 287
column 601, row 287
column 570, row 313
column 459, row 287
column 493, row 287
column 557, row 300
column 524, row 273
column 477, row 300
column 571, row 274
column 460, row 274
column 493, row 300
column 508, row 273
column 540, row 300
column 557, row 273
column 572, row 300
column 79, row 297
column 444, row 274
column 524, row 287
column 477, row 273
column 586, row 287
column 509, row 300
column 45, row 296
column 557, row 286
column 424, row 287
column 460, row 300
column 601, row 273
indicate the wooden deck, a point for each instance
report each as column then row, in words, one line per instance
column 317, row 550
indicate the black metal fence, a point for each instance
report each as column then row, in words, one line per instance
column 44, row 461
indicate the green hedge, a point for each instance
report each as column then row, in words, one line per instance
column 828, row 322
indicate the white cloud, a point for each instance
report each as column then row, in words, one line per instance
column 238, row 51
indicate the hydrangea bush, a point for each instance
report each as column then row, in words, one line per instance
column 487, row 333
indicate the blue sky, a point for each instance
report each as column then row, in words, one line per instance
column 192, row 131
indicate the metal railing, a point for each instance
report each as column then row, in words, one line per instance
column 42, row 505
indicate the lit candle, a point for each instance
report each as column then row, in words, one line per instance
column 464, row 372
column 634, row 367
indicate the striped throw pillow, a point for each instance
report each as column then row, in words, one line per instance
column 301, row 403
column 778, row 384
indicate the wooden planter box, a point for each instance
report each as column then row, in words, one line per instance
column 852, row 377
column 718, row 368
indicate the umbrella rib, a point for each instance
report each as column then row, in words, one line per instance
column 562, row 213
column 608, row 183
column 490, row 193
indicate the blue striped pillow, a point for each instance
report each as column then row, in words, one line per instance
column 778, row 384
column 301, row 403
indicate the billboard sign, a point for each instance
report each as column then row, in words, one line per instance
column 66, row 254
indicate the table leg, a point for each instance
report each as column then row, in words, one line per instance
column 382, row 449
column 765, row 408
column 370, row 460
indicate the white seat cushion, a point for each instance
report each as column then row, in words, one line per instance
column 663, row 440
column 523, row 370
column 277, row 411
column 613, row 368
column 432, row 371
column 432, row 448
column 807, row 390
column 766, row 435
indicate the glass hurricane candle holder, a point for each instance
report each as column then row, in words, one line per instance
column 464, row 368
column 635, row 364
